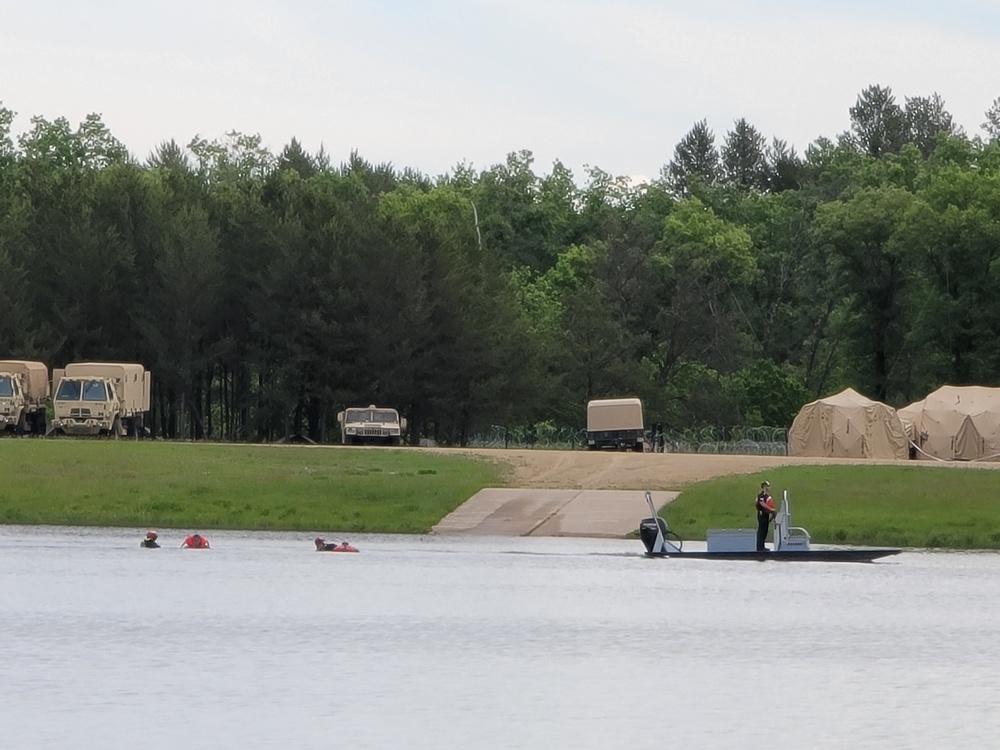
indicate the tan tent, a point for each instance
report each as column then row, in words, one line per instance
column 847, row 425
column 957, row 423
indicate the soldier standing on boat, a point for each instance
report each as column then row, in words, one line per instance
column 765, row 514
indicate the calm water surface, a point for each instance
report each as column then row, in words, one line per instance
column 431, row 642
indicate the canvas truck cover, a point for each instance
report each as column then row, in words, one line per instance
column 848, row 425
column 35, row 377
column 133, row 379
column 957, row 423
column 614, row 414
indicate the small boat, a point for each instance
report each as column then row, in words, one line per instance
column 790, row 542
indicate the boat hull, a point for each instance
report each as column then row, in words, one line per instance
column 813, row 555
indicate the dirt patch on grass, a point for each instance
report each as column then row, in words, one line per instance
column 610, row 470
column 617, row 470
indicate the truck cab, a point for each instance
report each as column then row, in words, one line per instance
column 11, row 402
column 24, row 393
column 86, row 406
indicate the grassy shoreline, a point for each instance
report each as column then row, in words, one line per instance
column 382, row 490
column 206, row 486
column 894, row 506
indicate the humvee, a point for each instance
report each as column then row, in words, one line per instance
column 373, row 425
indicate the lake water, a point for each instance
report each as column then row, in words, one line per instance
column 442, row 642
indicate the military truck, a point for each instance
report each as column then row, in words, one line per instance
column 615, row 423
column 373, row 425
column 101, row 398
column 24, row 393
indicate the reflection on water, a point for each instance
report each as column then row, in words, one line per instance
column 430, row 642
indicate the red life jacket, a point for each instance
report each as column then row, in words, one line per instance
column 765, row 504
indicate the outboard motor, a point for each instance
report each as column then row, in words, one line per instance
column 656, row 535
column 652, row 531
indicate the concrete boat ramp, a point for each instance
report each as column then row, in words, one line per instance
column 526, row 512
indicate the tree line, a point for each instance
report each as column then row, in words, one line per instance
column 266, row 292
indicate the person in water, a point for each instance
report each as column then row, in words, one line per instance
column 150, row 540
column 765, row 514
column 196, row 541
column 322, row 546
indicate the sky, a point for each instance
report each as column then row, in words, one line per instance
column 431, row 84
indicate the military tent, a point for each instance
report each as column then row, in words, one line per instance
column 957, row 423
column 847, row 425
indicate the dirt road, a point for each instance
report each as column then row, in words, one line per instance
column 612, row 470
column 584, row 493
column 602, row 493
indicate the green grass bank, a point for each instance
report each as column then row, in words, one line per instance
column 334, row 489
column 206, row 486
column 955, row 507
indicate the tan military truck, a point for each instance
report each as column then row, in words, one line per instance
column 615, row 423
column 101, row 398
column 24, row 393
column 373, row 425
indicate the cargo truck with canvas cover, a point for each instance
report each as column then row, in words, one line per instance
column 101, row 398
column 615, row 423
column 374, row 425
column 24, row 393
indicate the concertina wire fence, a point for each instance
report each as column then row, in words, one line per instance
column 763, row 441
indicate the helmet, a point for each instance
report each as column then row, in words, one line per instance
column 151, row 535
